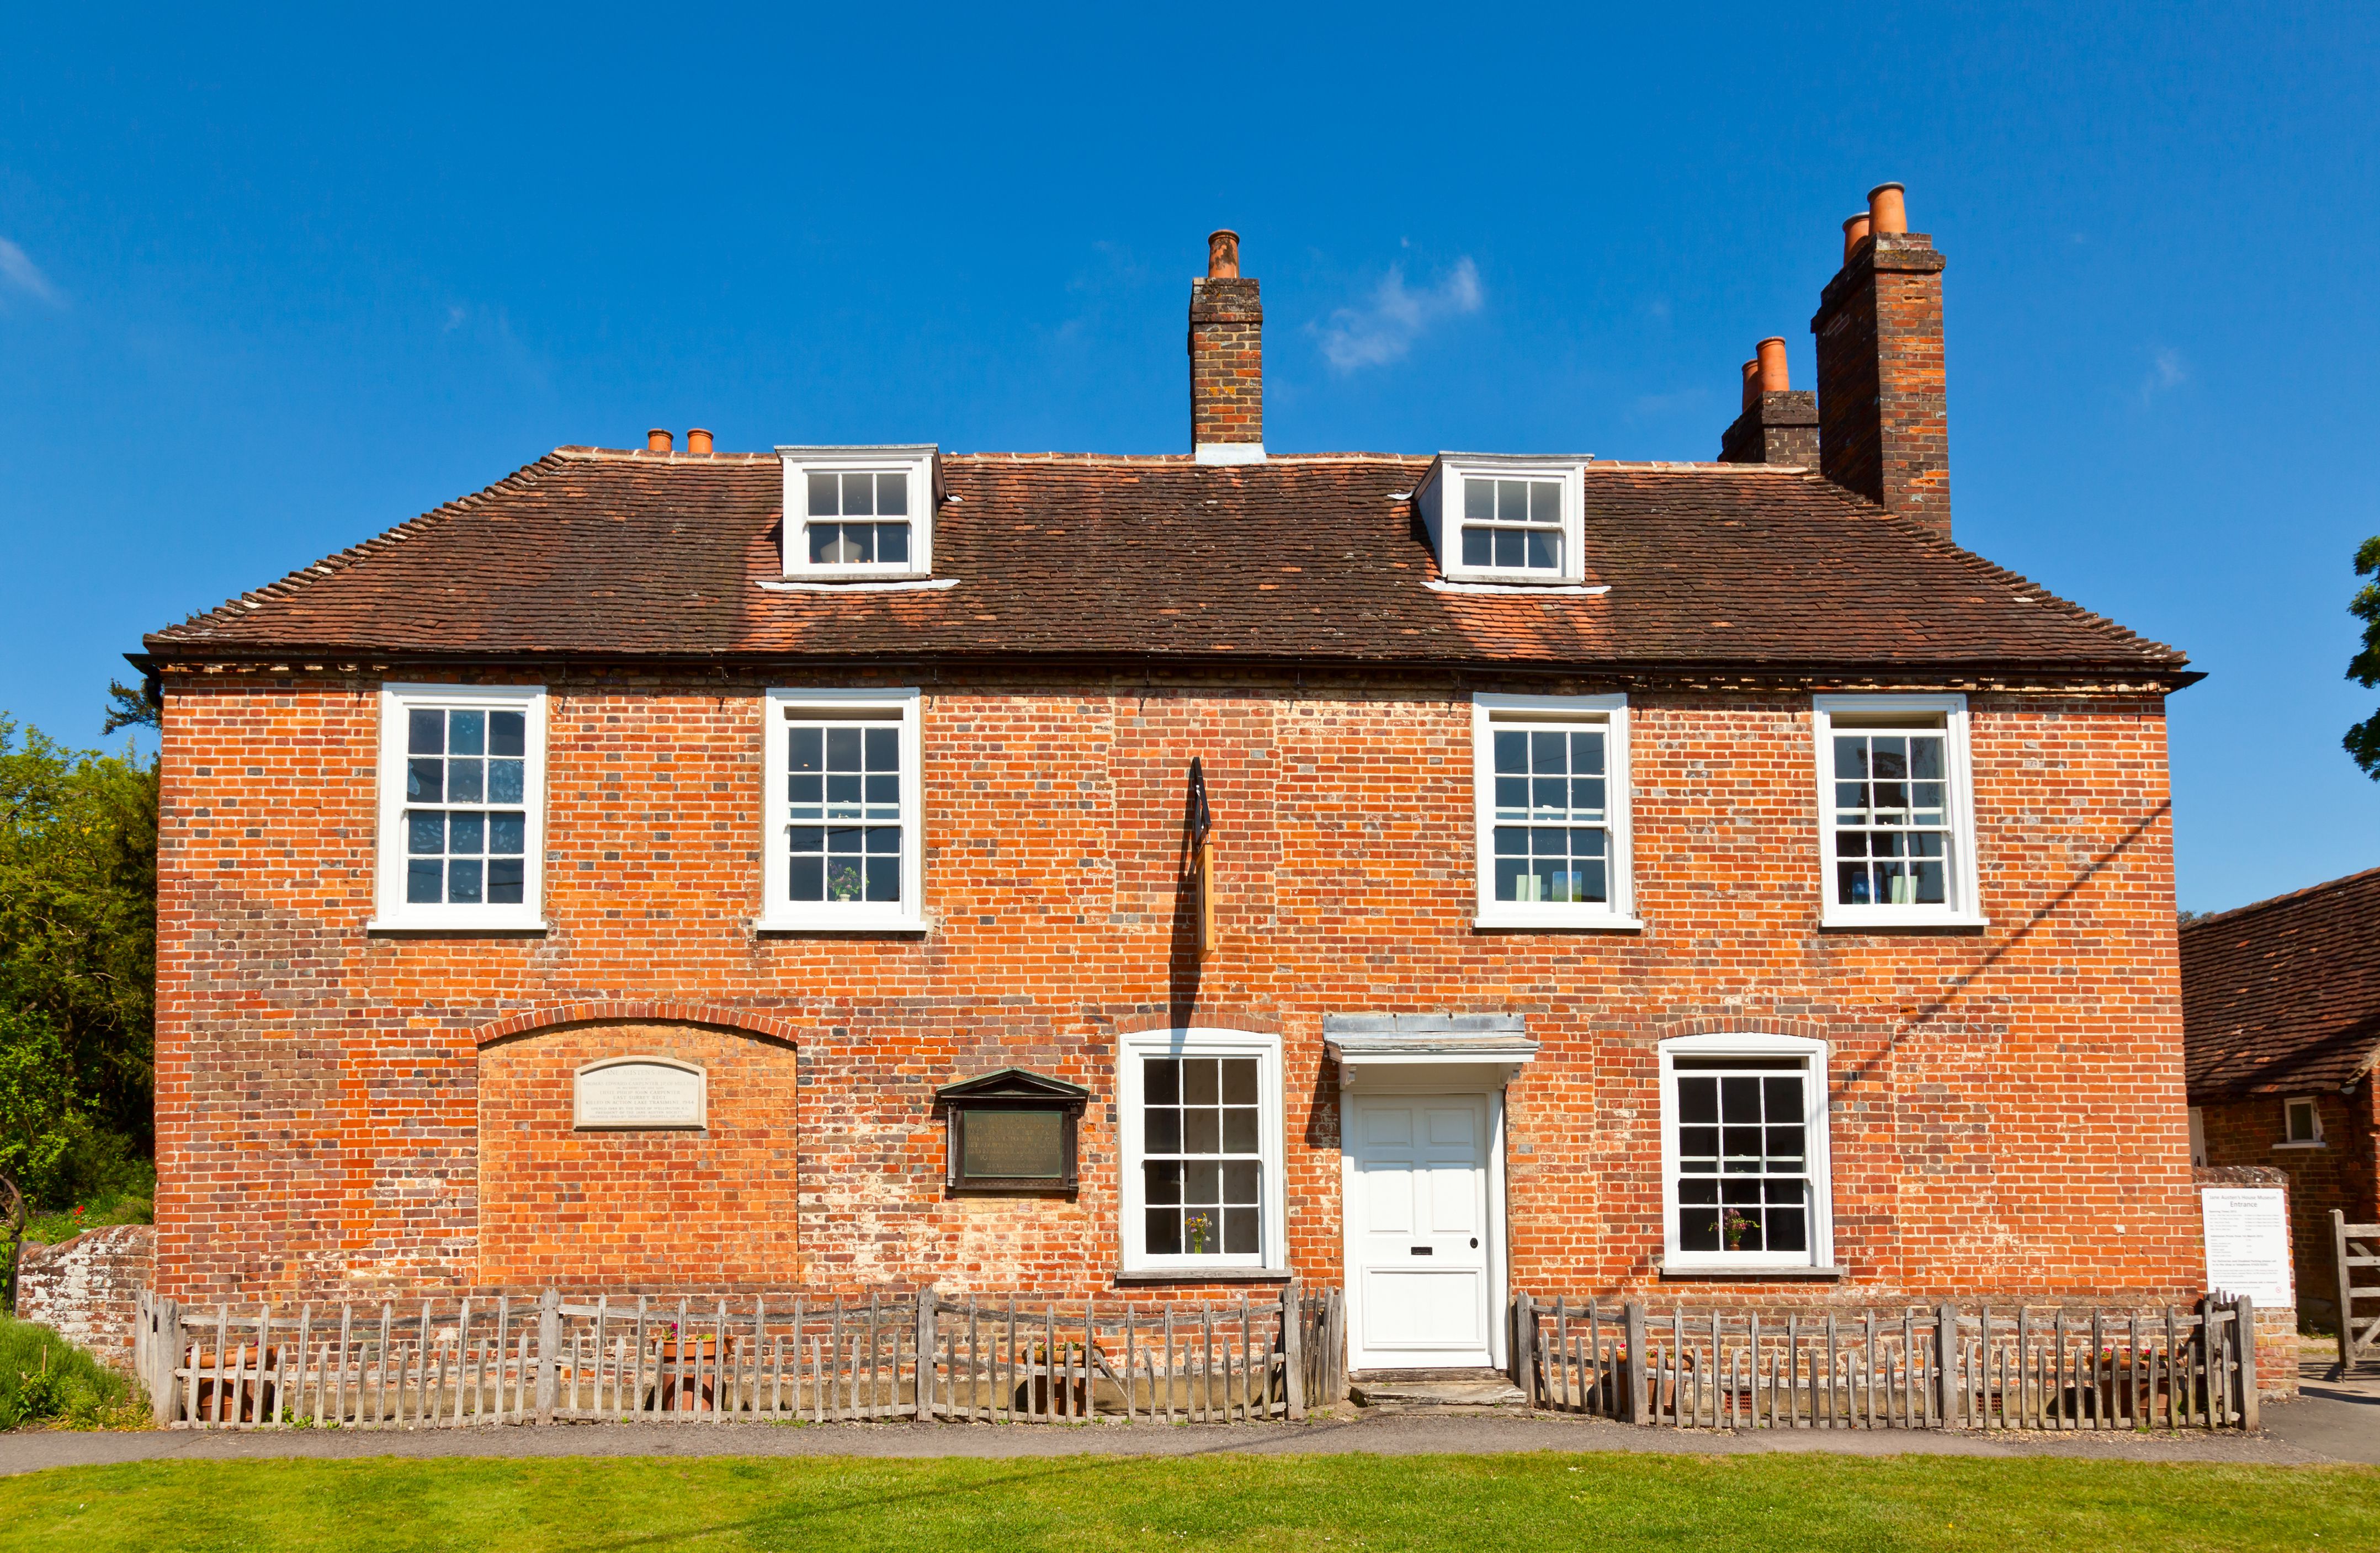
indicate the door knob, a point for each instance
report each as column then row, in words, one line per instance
column 1475, row 1243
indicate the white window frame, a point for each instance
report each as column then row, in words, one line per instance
column 920, row 461
column 1200, row 1041
column 2197, row 1136
column 1963, row 906
column 1618, row 913
column 2292, row 1103
column 1753, row 1044
column 393, row 910
column 779, row 915
column 1439, row 497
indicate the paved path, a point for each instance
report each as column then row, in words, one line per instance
column 2315, row 1429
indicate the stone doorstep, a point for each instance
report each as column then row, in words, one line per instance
column 1469, row 1391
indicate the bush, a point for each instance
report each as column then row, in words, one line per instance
column 45, row 1380
column 126, row 1193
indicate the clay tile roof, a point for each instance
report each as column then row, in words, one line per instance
column 1314, row 558
column 2283, row 997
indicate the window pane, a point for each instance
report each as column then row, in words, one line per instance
column 1545, row 502
column 467, row 832
column 1242, row 1181
column 883, row 749
column 893, row 544
column 808, row 749
column 1586, row 753
column 425, row 781
column 1161, row 1182
column 843, row 747
column 425, row 879
column 1202, row 1181
column 507, row 782
column 826, row 543
column 425, row 831
column 466, row 732
column 507, row 734
column 1513, row 501
column 1850, row 759
column 892, row 495
column 463, row 880
column 1239, row 1077
column 1478, row 547
column 1784, row 1098
column 884, row 879
column 1548, row 754
column 1163, row 1131
column 807, row 880
column 1164, row 1231
column 1513, row 752
column 1698, row 1099
column 1478, row 499
column 1239, row 1231
column 1202, row 1130
column 425, row 732
column 465, row 781
column 1545, row 551
column 1201, row 1085
column 822, row 497
column 507, row 880
column 1925, row 758
column 1240, row 1130
column 1202, row 1231
column 1160, row 1080
column 1511, row 549
column 843, row 881
column 858, row 495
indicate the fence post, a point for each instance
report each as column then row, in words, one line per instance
column 1524, row 1338
column 1640, row 1407
column 1946, row 1352
column 168, row 1346
column 2249, row 1414
column 549, row 1343
column 923, row 1393
column 1292, row 1349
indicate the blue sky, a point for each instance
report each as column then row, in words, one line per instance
column 270, row 283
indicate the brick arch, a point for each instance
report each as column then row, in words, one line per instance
column 1754, row 1025
column 640, row 1011
column 1204, row 1016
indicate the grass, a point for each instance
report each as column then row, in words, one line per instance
column 1474, row 1503
column 130, row 1201
column 45, row 1379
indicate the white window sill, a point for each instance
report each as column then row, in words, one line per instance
column 523, row 923
column 2305, row 1143
column 918, row 582
column 1752, row 1272
column 1203, row 1275
column 1555, row 920
column 840, row 922
column 1557, row 587
column 1857, row 917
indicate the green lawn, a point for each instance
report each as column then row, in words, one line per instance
column 1475, row 1504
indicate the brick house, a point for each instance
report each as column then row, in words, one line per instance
column 1439, row 876
column 2280, row 1005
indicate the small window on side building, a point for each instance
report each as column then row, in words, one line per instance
column 861, row 513
column 2301, row 1121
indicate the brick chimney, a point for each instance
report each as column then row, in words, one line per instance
column 1226, row 359
column 1779, row 423
column 1883, row 426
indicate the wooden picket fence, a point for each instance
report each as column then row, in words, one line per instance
column 1923, row 1370
column 448, row 1364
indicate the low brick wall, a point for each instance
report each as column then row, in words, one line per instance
column 88, row 1288
column 2276, row 1330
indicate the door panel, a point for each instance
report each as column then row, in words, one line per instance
column 1419, row 1167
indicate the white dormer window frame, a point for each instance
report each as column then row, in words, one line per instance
column 1516, row 537
column 861, row 479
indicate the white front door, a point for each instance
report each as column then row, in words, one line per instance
column 1419, row 1233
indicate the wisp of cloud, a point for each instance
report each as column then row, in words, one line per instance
column 1386, row 328
column 20, row 274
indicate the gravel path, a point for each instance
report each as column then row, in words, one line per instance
column 2317, row 1428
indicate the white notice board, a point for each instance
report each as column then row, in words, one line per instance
column 2248, row 1244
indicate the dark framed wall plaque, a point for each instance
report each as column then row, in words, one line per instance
column 1012, row 1131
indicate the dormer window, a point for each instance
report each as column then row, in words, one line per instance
column 860, row 512
column 1505, row 518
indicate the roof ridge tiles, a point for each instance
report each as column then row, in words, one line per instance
column 2306, row 892
column 294, row 582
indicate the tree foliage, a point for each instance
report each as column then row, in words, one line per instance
column 2363, row 741
column 78, row 962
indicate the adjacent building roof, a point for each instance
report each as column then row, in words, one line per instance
column 2283, row 997
column 1315, row 559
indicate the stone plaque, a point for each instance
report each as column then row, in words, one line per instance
column 2248, row 1244
column 1013, row 1145
column 623, row 1093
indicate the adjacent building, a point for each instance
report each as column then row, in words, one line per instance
column 1437, row 875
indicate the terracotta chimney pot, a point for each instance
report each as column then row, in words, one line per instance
column 1855, row 234
column 1751, row 383
column 657, row 440
column 697, row 441
column 1886, row 209
column 1773, row 376
column 1223, row 255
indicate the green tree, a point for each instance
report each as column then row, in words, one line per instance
column 2363, row 741
column 78, row 962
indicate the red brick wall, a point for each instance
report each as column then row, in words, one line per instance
column 2008, row 1111
column 2339, row 1175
